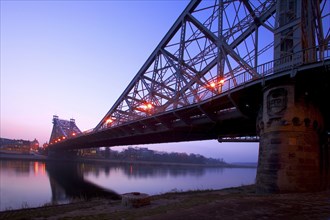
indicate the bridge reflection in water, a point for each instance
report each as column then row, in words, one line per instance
column 67, row 183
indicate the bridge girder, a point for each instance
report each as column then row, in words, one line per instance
column 213, row 50
column 186, row 62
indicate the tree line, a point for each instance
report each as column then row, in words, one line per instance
column 144, row 154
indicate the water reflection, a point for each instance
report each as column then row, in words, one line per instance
column 23, row 184
column 67, row 182
column 37, row 183
column 156, row 179
column 39, row 168
column 144, row 170
column 23, row 168
column 20, row 168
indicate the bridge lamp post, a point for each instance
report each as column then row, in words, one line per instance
column 213, row 84
column 109, row 121
column 217, row 85
column 221, row 82
column 146, row 107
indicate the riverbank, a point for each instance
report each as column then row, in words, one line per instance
column 19, row 156
column 36, row 157
column 232, row 203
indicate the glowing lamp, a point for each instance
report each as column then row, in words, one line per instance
column 108, row 121
column 146, row 106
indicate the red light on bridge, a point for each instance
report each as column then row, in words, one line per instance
column 109, row 121
column 146, row 106
column 73, row 134
column 63, row 137
column 216, row 84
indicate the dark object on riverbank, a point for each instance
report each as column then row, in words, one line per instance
column 135, row 199
column 232, row 203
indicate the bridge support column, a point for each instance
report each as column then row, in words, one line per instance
column 291, row 141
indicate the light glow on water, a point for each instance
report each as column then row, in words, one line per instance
column 23, row 184
column 26, row 184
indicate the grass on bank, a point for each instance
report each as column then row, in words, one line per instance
column 100, row 208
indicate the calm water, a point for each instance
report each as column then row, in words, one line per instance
column 32, row 184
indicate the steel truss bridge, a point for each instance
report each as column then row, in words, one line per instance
column 205, row 78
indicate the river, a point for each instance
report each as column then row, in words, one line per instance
column 25, row 184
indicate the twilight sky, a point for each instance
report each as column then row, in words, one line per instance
column 74, row 59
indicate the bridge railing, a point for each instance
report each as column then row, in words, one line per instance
column 264, row 70
column 239, row 139
column 275, row 66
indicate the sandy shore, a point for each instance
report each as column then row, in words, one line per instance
column 233, row 203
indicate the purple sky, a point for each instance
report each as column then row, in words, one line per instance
column 74, row 59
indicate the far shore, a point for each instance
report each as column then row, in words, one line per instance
column 37, row 157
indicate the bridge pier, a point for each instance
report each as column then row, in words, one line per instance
column 293, row 150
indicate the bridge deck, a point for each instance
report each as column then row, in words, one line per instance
column 224, row 117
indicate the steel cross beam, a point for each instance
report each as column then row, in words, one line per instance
column 192, row 5
column 212, row 48
column 173, row 78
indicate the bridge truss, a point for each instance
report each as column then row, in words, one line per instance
column 205, row 78
column 213, row 47
column 63, row 129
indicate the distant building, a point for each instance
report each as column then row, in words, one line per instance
column 34, row 145
column 18, row 146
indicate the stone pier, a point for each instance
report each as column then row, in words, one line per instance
column 292, row 139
